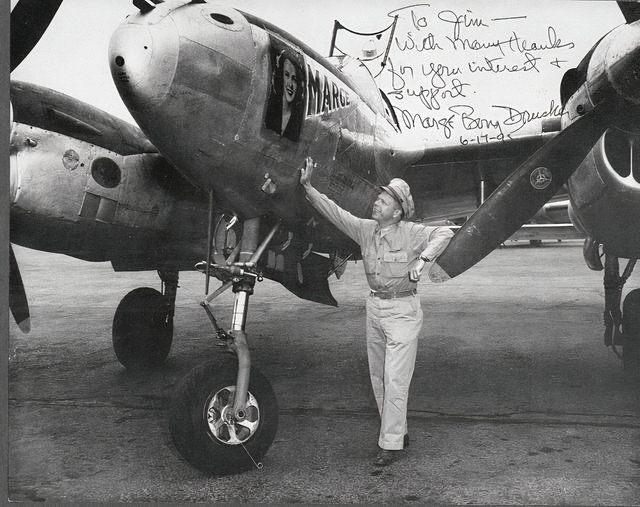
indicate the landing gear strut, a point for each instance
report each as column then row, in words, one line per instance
column 223, row 423
column 142, row 329
column 628, row 318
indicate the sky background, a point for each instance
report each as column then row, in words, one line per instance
column 72, row 55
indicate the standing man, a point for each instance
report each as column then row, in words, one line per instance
column 394, row 253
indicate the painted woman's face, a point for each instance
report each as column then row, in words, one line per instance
column 290, row 81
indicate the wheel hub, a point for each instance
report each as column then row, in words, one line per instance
column 223, row 425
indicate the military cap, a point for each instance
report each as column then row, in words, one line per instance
column 400, row 191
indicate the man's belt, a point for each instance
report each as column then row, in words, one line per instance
column 382, row 294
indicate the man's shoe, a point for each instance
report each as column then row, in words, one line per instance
column 385, row 457
column 405, row 442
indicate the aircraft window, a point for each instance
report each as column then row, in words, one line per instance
column 106, row 172
column 361, row 75
column 221, row 18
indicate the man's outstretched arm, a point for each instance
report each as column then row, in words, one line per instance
column 342, row 219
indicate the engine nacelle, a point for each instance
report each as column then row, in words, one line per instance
column 605, row 193
column 609, row 72
column 87, row 184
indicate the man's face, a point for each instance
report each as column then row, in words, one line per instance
column 386, row 209
column 290, row 81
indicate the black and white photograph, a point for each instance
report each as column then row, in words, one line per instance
column 322, row 252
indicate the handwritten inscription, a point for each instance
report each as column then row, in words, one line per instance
column 519, row 119
column 443, row 62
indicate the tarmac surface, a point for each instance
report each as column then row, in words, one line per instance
column 515, row 400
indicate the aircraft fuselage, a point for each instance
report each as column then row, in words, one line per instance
column 205, row 83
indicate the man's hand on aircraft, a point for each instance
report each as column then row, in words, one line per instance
column 306, row 171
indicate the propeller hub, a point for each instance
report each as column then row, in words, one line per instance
column 624, row 56
column 611, row 74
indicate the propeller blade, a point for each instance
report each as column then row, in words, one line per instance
column 29, row 20
column 630, row 10
column 17, row 296
column 521, row 195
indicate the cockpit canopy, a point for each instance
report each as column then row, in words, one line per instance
column 367, row 87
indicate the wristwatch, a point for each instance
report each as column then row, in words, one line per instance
column 425, row 259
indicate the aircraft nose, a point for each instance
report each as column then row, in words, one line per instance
column 143, row 60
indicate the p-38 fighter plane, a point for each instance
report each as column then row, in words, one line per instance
column 229, row 106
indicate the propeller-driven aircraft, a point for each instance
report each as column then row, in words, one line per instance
column 228, row 107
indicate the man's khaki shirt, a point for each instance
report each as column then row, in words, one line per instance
column 388, row 253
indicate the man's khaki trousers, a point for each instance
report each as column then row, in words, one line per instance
column 393, row 327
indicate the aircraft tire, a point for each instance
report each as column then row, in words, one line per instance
column 201, row 400
column 631, row 331
column 142, row 330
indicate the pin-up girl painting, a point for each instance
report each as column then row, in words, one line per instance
column 286, row 102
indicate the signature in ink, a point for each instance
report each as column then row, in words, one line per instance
column 412, row 120
column 519, row 118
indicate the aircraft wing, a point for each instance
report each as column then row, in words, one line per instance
column 449, row 183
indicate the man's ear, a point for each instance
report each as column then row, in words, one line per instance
column 397, row 213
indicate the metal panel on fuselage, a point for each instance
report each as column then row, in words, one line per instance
column 49, row 185
column 337, row 130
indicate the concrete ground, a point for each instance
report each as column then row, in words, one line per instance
column 514, row 401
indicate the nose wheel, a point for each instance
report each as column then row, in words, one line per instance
column 205, row 428
column 223, row 419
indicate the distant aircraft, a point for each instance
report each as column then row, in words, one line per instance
column 230, row 105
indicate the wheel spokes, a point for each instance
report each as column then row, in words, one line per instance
column 223, row 426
